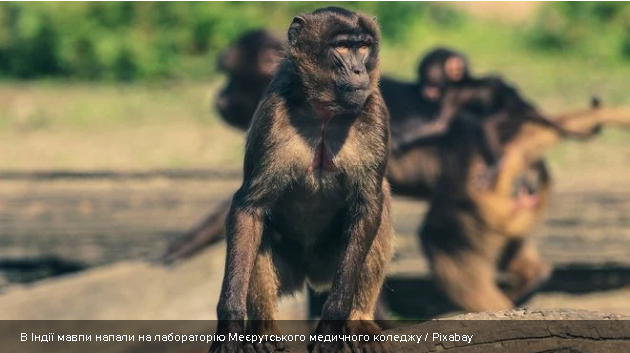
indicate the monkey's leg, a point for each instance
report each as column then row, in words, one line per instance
column 523, row 261
column 207, row 233
column 463, row 256
column 264, row 287
column 469, row 281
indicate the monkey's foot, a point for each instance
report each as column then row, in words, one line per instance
column 362, row 332
column 225, row 328
column 367, row 329
column 263, row 329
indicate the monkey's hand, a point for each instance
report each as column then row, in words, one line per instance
column 367, row 329
column 225, row 328
column 266, row 345
column 327, row 329
column 362, row 332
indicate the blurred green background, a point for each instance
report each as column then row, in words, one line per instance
column 129, row 85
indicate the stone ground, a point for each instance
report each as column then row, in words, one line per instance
column 110, row 227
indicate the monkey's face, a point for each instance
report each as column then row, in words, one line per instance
column 257, row 53
column 336, row 54
column 440, row 69
column 250, row 64
column 455, row 69
column 238, row 100
column 347, row 57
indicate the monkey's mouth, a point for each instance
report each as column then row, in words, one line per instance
column 354, row 88
column 352, row 97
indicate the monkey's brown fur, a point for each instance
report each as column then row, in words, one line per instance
column 468, row 229
column 314, row 204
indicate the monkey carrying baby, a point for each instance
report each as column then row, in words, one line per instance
column 314, row 205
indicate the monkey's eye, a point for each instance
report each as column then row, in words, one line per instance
column 364, row 48
column 342, row 48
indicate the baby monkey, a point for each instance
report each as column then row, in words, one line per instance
column 496, row 107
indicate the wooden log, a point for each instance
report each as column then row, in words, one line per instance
column 518, row 331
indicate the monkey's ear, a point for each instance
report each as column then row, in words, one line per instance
column 296, row 27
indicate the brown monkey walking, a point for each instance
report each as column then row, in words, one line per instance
column 469, row 232
column 314, row 204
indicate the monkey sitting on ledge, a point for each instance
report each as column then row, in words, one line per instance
column 314, row 205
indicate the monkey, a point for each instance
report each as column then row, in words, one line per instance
column 440, row 68
column 314, row 204
column 469, row 233
column 445, row 76
column 250, row 64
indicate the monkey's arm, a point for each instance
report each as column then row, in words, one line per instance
column 361, row 224
column 244, row 227
column 427, row 130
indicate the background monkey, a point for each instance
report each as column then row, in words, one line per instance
column 250, row 63
column 469, row 233
column 314, row 204
column 445, row 77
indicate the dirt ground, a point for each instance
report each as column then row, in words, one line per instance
column 52, row 227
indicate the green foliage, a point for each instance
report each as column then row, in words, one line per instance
column 569, row 25
column 127, row 41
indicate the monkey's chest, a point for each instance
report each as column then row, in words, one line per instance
column 307, row 215
column 322, row 161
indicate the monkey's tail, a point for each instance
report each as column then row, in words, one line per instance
column 209, row 232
